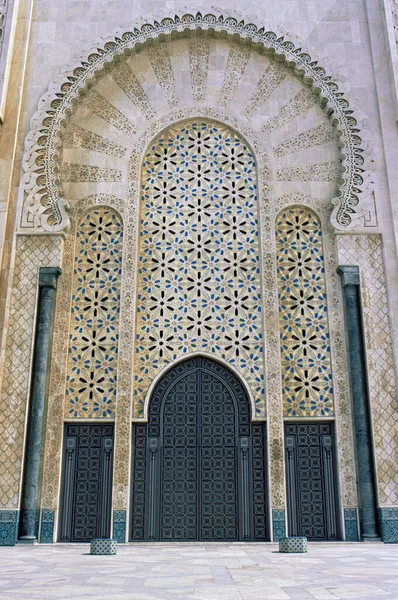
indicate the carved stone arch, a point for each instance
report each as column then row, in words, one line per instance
column 219, row 370
column 217, row 359
column 97, row 200
column 45, row 206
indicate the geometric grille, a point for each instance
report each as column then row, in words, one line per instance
column 199, row 275
column 304, row 328
column 94, row 328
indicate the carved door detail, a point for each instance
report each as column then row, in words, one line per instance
column 87, row 482
column 311, row 480
column 199, row 464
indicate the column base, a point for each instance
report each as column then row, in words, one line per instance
column 27, row 539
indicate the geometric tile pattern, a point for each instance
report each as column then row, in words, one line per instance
column 8, row 527
column 351, row 525
column 304, row 328
column 389, row 525
column 47, row 526
column 367, row 252
column 199, row 274
column 278, row 524
column 119, row 526
column 94, row 328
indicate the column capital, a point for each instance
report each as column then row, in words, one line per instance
column 48, row 276
column 349, row 275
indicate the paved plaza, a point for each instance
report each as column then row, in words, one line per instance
column 200, row 572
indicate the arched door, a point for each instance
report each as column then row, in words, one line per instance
column 199, row 464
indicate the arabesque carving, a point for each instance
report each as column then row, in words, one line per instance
column 45, row 208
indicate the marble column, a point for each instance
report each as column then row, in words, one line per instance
column 350, row 280
column 41, row 352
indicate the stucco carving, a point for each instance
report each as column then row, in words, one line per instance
column 44, row 207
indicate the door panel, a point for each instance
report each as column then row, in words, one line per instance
column 310, row 474
column 179, row 486
column 218, row 499
column 87, row 482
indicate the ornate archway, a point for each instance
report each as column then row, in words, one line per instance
column 199, row 471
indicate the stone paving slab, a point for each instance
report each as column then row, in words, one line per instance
column 200, row 572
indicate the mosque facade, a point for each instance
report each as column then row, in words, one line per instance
column 199, row 277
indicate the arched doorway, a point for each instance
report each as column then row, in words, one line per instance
column 199, row 463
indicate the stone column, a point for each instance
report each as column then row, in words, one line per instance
column 30, row 491
column 350, row 280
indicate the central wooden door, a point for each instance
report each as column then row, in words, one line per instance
column 204, row 462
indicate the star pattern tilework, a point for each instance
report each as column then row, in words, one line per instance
column 94, row 330
column 304, row 329
column 199, row 271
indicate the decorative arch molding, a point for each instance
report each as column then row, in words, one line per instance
column 186, row 357
column 44, row 203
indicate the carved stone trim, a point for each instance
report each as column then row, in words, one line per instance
column 41, row 181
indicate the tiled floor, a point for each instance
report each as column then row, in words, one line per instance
column 200, row 572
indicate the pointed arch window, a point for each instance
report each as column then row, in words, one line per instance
column 199, row 283
column 95, row 310
column 303, row 314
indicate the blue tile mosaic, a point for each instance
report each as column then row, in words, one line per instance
column 9, row 520
column 119, row 526
column 47, row 526
column 351, row 525
column 389, row 525
column 278, row 524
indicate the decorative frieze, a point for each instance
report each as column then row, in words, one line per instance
column 78, row 137
column 104, row 109
column 321, row 134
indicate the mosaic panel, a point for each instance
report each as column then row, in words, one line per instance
column 199, row 272
column 389, row 525
column 305, row 348
column 119, row 526
column 278, row 524
column 8, row 527
column 351, row 525
column 47, row 526
column 366, row 251
column 94, row 329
